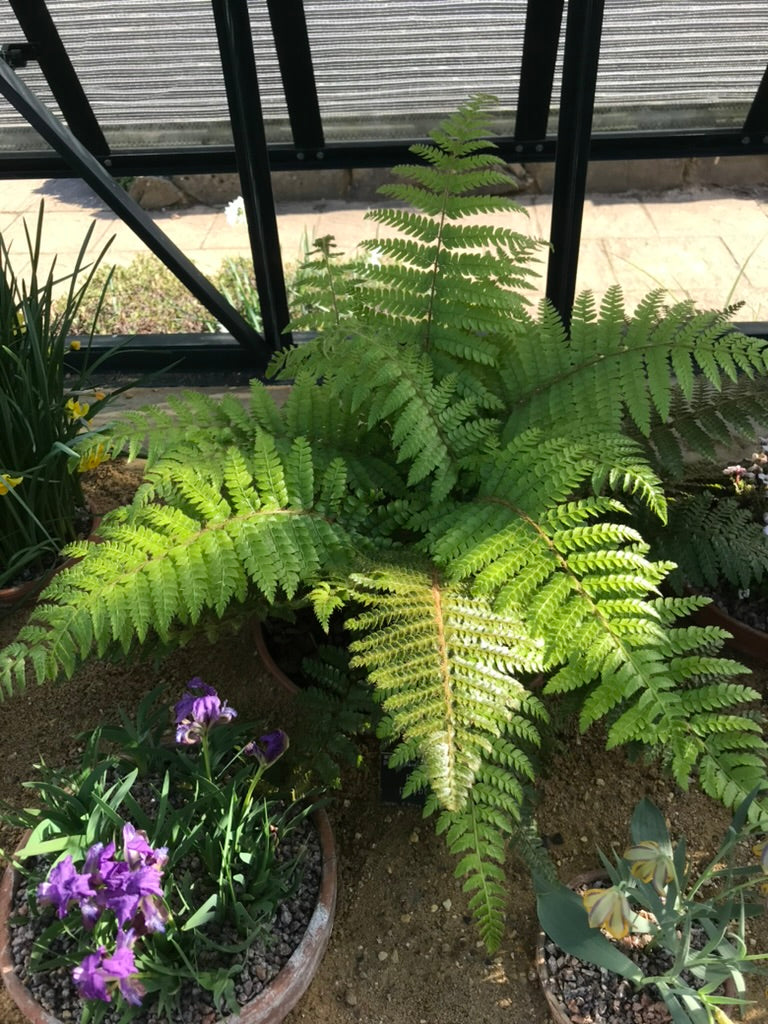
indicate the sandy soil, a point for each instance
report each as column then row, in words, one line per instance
column 402, row 951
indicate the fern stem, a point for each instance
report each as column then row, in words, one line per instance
column 445, row 674
column 435, row 274
column 324, row 245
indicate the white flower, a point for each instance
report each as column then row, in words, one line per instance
column 235, row 212
column 374, row 260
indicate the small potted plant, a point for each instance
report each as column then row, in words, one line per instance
column 45, row 405
column 717, row 535
column 173, row 870
column 674, row 933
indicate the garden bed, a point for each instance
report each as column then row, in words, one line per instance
column 403, row 950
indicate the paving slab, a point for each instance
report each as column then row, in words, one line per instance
column 616, row 217
column 710, row 212
column 689, row 267
column 691, row 240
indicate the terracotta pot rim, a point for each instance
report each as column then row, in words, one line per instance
column 744, row 639
column 271, row 1005
column 14, row 596
column 269, row 662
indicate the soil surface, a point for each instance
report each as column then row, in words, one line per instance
column 403, row 950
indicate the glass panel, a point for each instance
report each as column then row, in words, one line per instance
column 693, row 65
column 151, row 70
column 392, row 70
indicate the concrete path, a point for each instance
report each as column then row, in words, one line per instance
column 710, row 245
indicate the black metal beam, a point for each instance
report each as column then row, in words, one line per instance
column 583, row 31
column 289, row 28
column 17, row 55
column 87, row 167
column 543, row 19
column 38, row 26
column 216, row 356
column 372, row 153
column 233, row 29
column 757, row 118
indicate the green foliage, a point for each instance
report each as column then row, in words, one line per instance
column 43, row 405
column 222, row 837
column 653, row 876
column 335, row 712
column 455, row 476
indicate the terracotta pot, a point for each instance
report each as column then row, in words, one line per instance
column 271, row 1005
column 269, row 662
column 557, row 1010
column 16, row 596
column 752, row 643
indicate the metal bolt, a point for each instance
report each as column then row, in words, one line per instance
column 299, row 156
column 539, row 147
column 519, row 148
column 746, row 140
column 320, row 155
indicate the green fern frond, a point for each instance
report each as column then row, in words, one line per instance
column 712, row 538
column 444, row 667
column 335, row 712
column 704, row 422
column 615, row 366
column 477, row 834
column 157, row 565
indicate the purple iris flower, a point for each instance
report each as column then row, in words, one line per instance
column 124, row 889
column 98, row 861
column 65, row 885
column 268, row 748
column 90, row 978
column 137, row 851
column 98, row 970
column 196, row 714
column 151, row 916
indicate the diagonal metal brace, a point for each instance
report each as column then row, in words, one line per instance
column 99, row 179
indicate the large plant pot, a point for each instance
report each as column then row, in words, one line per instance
column 270, row 1006
column 20, row 594
column 745, row 640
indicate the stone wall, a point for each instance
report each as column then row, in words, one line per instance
column 361, row 184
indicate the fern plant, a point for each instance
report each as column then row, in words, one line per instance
column 452, row 473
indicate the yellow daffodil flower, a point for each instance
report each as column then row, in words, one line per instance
column 650, row 864
column 99, row 396
column 74, row 346
column 76, row 410
column 720, row 1016
column 92, row 459
column 608, row 909
column 761, row 852
column 7, row 483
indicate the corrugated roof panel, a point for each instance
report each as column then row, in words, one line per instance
column 390, row 67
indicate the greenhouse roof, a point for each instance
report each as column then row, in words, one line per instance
column 338, row 74
column 103, row 89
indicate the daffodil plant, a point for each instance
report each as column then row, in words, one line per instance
column 652, row 898
column 44, row 407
